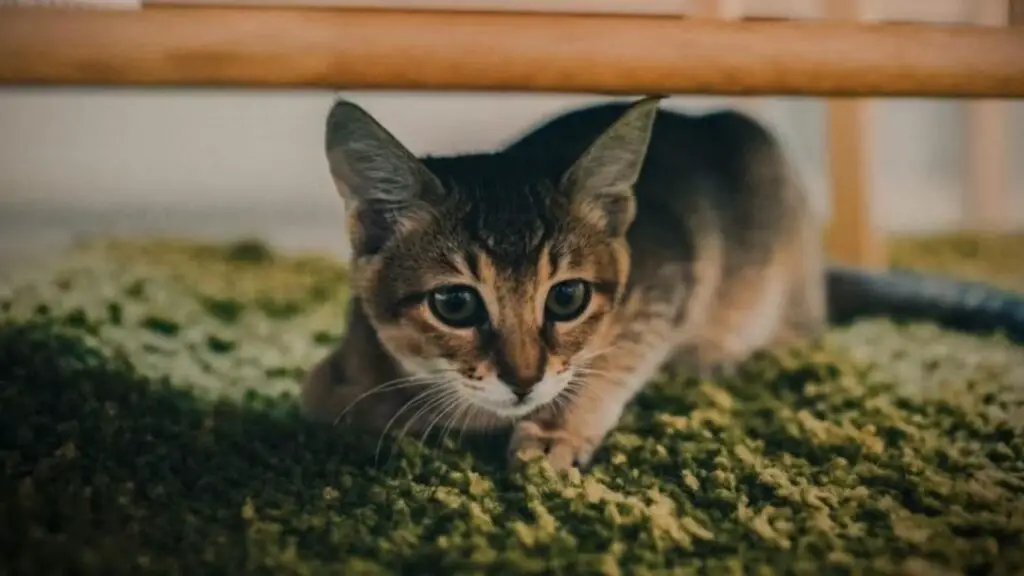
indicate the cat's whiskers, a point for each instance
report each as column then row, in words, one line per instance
column 452, row 404
column 396, row 384
column 418, row 399
column 583, row 363
column 579, row 369
column 572, row 391
column 443, row 395
column 592, row 373
column 442, row 406
column 561, row 402
column 472, row 413
column 464, row 407
column 576, row 388
column 427, row 397
column 587, row 357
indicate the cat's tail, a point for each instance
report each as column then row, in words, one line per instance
column 903, row 295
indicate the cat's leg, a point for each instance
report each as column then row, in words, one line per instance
column 568, row 436
column 805, row 317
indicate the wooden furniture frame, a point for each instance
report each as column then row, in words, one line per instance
column 487, row 47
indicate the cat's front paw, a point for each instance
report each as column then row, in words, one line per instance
column 562, row 449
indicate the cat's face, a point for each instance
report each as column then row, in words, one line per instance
column 481, row 278
column 509, row 323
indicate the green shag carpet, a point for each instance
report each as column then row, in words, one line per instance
column 147, row 425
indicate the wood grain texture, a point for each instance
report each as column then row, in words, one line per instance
column 728, row 10
column 987, row 202
column 933, row 11
column 291, row 48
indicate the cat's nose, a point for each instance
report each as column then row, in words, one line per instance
column 520, row 382
column 520, row 363
column 522, row 386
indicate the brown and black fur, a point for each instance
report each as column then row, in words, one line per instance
column 699, row 242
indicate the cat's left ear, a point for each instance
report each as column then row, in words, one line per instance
column 600, row 183
column 385, row 187
column 368, row 163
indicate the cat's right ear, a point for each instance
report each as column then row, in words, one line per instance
column 367, row 163
column 380, row 180
column 601, row 181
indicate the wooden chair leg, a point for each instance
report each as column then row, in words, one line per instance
column 986, row 201
column 852, row 237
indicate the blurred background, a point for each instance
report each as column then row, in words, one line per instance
column 228, row 163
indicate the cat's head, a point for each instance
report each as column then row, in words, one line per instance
column 483, row 274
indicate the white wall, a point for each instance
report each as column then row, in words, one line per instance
column 130, row 159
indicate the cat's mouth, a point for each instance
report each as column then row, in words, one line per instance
column 521, row 407
column 499, row 399
column 506, row 407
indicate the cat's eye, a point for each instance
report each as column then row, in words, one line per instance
column 567, row 300
column 457, row 306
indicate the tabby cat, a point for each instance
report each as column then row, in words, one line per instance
column 541, row 286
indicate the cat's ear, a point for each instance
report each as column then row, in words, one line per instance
column 381, row 181
column 601, row 181
column 367, row 162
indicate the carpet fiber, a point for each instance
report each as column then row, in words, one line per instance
column 147, row 425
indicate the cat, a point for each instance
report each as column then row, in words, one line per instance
column 543, row 285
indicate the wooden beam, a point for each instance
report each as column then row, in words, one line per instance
column 851, row 237
column 727, row 10
column 934, row 11
column 335, row 48
column 647, row 7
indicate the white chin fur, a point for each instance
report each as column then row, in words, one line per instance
column 496, row 397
